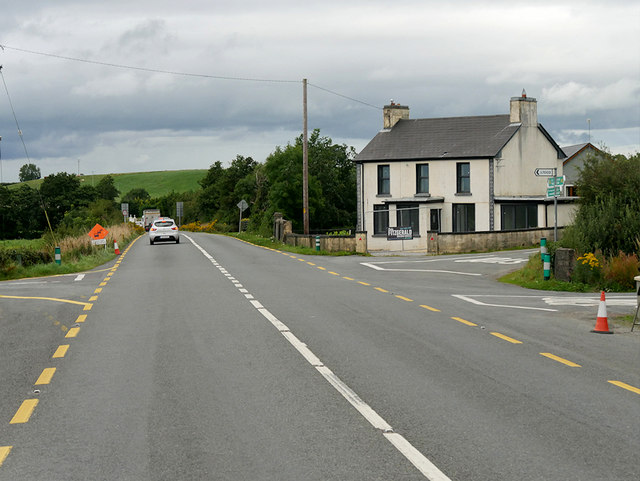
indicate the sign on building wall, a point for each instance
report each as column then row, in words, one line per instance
column 399, row 233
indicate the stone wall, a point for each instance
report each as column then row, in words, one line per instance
column 450, row 243
column 356, row 243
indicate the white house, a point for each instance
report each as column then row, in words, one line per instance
column 458, row 174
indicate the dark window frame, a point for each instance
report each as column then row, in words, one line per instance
column 384, row 181
column 380, row 219
column 464, row 218
column 420, row 177
column 518, row 216
column 463, row 179
column 408, row 214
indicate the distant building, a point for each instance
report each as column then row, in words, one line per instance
column 576, row 155
column 457, row 174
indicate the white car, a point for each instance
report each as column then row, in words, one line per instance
column 164, row 229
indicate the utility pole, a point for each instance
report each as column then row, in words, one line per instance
column 305, row 160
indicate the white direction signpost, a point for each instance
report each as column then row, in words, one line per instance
column 541, row 172
column 554, row 189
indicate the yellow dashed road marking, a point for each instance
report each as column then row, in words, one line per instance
column 61, row 351
column 93, row 298
column 380, row 289
column 430, row 308
column 73, row 332
column 463, row 321
column 81, row 318
column 348, row 278
column 322, row 268
column 506, row 338
column 4, row 452
column 333, row 273
column 626, row 386
column 24, row 412
column 364, row 283
column 559, row 359
column 405, row 298
column 87, row 307
column 45, row 376
column 98, row 290
column 311, row 263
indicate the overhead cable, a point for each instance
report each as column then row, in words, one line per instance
column 184, row 74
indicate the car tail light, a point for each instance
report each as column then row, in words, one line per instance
column 174, row 228
column 153, row 229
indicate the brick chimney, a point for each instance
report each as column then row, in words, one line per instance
column 392, row 113
column 524, row 110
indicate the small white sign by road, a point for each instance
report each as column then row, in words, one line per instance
column 544, row 172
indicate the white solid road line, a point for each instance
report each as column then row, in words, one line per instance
column 419, row 460
column 479, row 303
column 440, row 271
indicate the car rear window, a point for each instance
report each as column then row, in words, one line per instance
column 163, row 223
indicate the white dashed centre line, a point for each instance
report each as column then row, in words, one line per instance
column 419, row 460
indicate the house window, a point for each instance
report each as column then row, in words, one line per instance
column 571, row 191
column 422, row 178
column 408, row 215
column 464, row 217
column 380, row 219
column 519, row 216
column 384, row 180
column 463, row 178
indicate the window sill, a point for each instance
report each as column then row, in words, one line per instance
column 383, row 195
column 463, row 194
column 422, row 194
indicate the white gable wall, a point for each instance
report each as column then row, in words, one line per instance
column 528, row 150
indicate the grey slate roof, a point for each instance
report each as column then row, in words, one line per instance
column 571, row 150
column 442, row 138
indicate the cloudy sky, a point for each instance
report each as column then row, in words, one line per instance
column 214, row 79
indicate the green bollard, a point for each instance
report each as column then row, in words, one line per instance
column 543, row 247
column 58, row 256
column 547, row 267
column 318, row 243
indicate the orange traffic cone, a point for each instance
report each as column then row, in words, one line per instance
column 117, row 249
column 602, row 326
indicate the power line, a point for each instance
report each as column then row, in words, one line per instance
column 184, row 74
column 345, row 97
column 144, row 69
column 14, row 115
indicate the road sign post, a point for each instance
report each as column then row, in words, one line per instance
column 242, row 205
column 98, row 235
column 179, row 212
column 553, row 189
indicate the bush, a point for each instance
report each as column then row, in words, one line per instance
column 619, row 272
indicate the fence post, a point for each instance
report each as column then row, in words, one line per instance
column 58, row 256
column 317, row 242
column 543, row 247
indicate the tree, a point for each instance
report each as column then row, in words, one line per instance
column 106, row 189
column 29, row 172
column 332, row 185
column 607, row 218
column 60, row 192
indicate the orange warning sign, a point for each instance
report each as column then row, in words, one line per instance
column 98, row 232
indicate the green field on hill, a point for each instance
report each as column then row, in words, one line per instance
column 158, row 183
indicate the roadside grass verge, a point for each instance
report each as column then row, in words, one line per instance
column 531, row 277
column 35, row 258
column 85, row 263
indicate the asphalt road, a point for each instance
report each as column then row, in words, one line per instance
column 215, row 359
